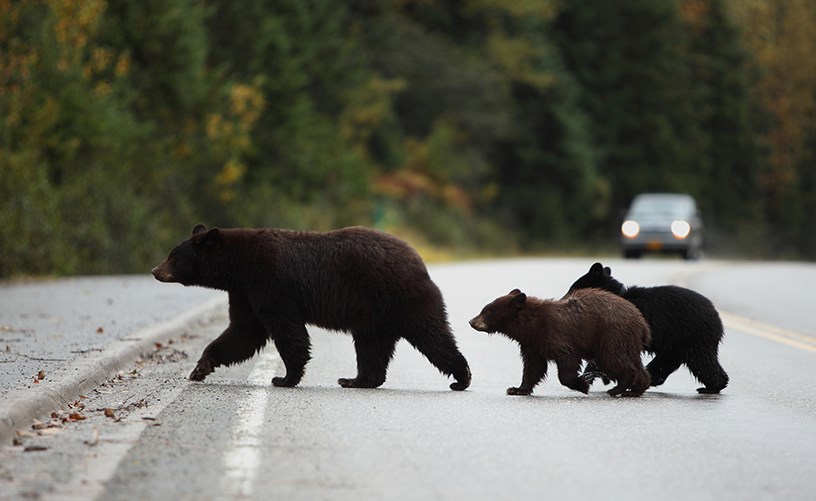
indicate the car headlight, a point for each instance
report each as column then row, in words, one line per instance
column 630, row 229
column 680, row 229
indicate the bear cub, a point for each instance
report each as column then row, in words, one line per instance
column 588, row 324
column 357, row 280
column 686, row 328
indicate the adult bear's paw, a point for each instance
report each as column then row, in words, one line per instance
column 202, row 369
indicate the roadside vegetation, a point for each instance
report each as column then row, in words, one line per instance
column 470, row 127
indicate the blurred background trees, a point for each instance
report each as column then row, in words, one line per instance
column 477, row 125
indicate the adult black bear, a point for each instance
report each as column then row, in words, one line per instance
column 686, row 328
column 588, row 324
column 358, row 280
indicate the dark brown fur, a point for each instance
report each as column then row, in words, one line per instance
column 357, row 280
column 588, row 324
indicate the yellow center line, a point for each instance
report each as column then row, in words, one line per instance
column 778, row 334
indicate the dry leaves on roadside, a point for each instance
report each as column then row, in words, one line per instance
column 94, row 440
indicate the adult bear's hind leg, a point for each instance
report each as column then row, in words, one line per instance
column 438, row 345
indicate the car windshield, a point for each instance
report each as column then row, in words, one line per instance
column 663, row 206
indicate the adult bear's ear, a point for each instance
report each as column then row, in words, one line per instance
column 212, row 236
column 596, row 269
column 199, row 228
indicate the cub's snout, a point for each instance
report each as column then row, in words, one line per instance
column 478, row 323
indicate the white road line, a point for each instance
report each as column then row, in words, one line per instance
column 778, row 334
column 242, row 456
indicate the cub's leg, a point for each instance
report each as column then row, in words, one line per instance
column 704, row 365
column 568, row 374
column 663, row 365
column 535, row 369
column 243, row 337
column 592, row 372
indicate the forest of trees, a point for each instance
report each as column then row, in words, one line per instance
column 471, row 125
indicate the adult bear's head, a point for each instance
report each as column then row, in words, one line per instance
column 190, row 262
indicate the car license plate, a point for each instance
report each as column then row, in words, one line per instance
column 654, row 245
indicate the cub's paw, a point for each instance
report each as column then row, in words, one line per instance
column 202, row 369
column 708, row 391
column 282, row 382
column 616, row 391
column 518, row 391
column 631, row 394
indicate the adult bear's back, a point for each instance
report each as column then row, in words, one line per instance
column 353, row 275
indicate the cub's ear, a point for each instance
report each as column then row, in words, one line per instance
column 514, row 292
column 596, row 269
column 519, row 299
column 199, row 228
column 608, row 271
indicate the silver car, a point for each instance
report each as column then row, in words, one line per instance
column 662, row 222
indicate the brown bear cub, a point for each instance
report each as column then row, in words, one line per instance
column 357, row 280
column 588, row 324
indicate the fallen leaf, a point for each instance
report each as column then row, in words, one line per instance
column 35, row 448
column 50, row 431
column 109, row 413
column 158, row 346
column 100, row 330
column 94, row 439
column 75, row 416
column 41, row 375
column 17, row 441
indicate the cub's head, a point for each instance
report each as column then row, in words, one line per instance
column 598, row 277
column 496, row 316
column 188, row 263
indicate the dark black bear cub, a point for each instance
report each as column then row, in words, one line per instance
column 358, row 280
column 589, row 324
column 686, row 328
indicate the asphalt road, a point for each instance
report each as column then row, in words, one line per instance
column 46, row 324
column 149, row 433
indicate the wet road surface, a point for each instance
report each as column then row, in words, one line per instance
column 236, row 437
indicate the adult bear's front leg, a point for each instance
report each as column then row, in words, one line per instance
column 374, row 351
column 293, row 347
column 243, row 337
